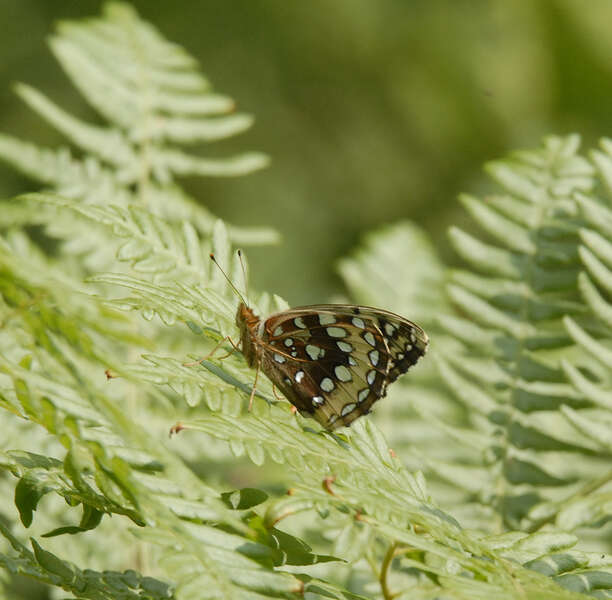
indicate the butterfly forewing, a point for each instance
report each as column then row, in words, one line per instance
column 334, row 361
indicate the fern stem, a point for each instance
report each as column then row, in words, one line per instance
column 384, row 571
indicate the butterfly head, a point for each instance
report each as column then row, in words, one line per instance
column 245, row 317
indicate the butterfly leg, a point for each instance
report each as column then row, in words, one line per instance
column 254, row 388
column 212, row 352
column 234, row 348
column 275, row 393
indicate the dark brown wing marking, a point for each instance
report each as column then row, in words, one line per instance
column 334, row 361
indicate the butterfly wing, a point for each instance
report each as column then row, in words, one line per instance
column 332, row 362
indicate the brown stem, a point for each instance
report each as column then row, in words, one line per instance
column 384, row 571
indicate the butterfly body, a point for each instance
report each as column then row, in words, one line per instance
column 331, row 361
column 247, row 322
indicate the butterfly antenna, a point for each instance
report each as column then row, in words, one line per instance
column 244, row 275
column 212, row 257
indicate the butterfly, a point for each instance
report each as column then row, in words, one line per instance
column 331, row 361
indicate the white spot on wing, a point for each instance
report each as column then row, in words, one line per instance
column 345, row 346
column 317, row 401
column 374, row 356
column 278, row 331
column 332, row 419
column 369, row 337
column 389, row 329
column 325, row 319
column 314, row 351
column 342, row 373
column 299, row 323
column 363, row 394
column 358, row 322
column 279, row 358
column 336, row 332
column 299, row 376
column 327, row 385
column 347, row 408
column 371, row 377
column 352, row 361
column 288, row 342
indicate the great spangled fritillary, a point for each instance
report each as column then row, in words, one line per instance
column 331, row 361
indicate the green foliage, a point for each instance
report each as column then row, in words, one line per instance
column 108, row 271
column 524, row 308
column 519, row 440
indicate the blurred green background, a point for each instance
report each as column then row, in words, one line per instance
column 371, row 111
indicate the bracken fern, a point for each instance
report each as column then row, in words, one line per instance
column 120, row 282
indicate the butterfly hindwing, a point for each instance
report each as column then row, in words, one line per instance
column 334, row 361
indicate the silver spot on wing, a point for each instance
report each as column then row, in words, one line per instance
column 344, row 346
column 327, row 385
column 326, row 319
column 347, row 408
column 342, row 373
column 368, row 336
column 314, row 351
column 357, row 322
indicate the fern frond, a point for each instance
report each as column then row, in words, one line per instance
column 522, row 286
column 593, row 379
column 361, row 476
column 116, row 62
column 509, row 418
column 110, row 467
column 154, row 98
column 49, row 568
